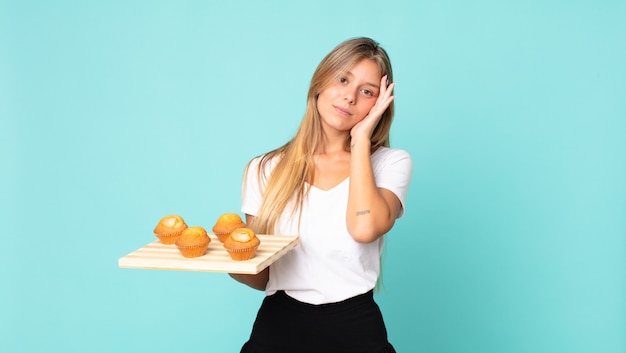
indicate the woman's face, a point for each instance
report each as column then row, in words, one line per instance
column 348, row 100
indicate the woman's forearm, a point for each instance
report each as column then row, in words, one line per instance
column 371, row 211
column 258, row 281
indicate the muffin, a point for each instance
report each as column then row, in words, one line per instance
column 193, row 242
column 225, row 224
column 169, row 229
column 241, row 244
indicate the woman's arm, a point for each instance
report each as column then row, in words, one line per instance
column 258, row 281
column 371, row 211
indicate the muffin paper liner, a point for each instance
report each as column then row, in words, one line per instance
column 193, row 250
column 222, row 236
column 242, row 254
column 168, row 238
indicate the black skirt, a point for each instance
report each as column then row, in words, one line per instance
column 286, row 325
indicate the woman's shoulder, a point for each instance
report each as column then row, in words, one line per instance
column 266, row 161
column 269, row 157
column 388, row 153
column 391, row 165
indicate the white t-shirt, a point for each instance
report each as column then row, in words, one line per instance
column 328, row 265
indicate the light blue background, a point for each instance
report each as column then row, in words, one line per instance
column 115, row 113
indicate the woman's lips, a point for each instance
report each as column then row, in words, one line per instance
column 342, row 111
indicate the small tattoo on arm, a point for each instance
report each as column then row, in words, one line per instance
column 362, row 212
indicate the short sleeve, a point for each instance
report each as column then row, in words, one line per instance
column 251, row 194
column 392, row 171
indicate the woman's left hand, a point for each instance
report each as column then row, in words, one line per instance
column 365, row 127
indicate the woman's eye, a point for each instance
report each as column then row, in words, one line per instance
column 343, row 80
column 367, row 92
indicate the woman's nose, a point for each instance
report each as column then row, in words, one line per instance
column 348, row 96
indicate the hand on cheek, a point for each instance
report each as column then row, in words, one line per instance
column 364, row 128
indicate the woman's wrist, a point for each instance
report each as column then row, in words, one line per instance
column 360, row 142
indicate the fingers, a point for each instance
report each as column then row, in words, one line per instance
column 387, row 88
column 385, row 96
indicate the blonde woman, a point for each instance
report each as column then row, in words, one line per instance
column 340, row 187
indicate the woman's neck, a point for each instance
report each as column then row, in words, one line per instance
column 331, row 145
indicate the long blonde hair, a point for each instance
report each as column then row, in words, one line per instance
column 295, row 165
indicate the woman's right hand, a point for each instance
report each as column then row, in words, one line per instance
column 258, row 281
